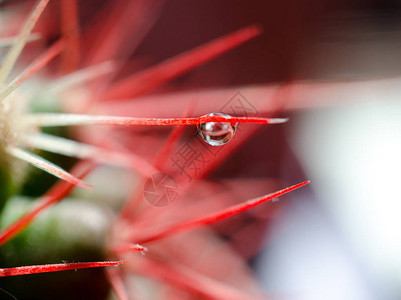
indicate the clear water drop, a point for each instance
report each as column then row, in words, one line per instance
column 217, row 133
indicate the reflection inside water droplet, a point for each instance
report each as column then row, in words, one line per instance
column 217, row 133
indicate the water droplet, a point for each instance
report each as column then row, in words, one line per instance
column 217, row 133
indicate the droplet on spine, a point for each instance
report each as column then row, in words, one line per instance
column 217, row 133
